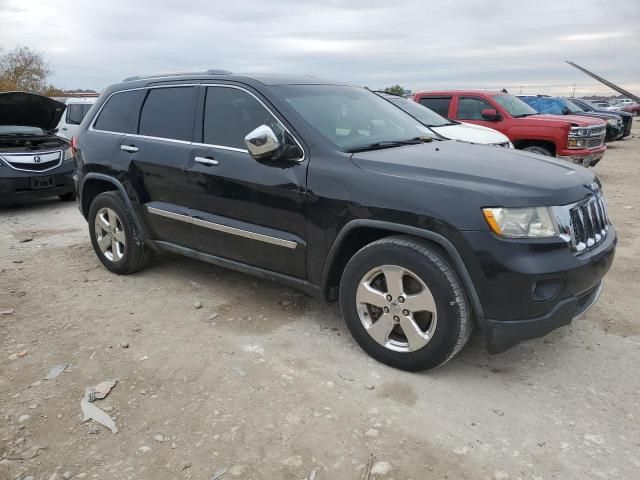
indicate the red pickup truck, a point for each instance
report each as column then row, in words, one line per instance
column 573, row 138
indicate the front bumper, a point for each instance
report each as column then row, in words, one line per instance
column 16, row 185
column 528, row 289
column 586, row 158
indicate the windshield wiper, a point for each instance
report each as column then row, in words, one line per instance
column 389, row 144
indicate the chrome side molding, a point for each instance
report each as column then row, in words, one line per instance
column 281, row 242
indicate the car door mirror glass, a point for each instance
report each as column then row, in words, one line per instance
column 490, row 114
column 262, row 142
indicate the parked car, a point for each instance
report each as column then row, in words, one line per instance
column 627, row 118
column 331, row 189
column 561, row 106
column 34, row 161
column 448, row 129
column 573, row 138
column 627, row 105
column 77, row 108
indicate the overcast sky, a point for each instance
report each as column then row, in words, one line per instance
column 418, row 44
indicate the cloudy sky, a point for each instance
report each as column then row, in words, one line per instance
column 520, row 45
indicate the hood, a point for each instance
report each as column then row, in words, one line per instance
column 577, row 120
column 30, row 109
column 502, row 176
column 468, row 132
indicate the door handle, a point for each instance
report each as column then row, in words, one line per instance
column 129, row 148
column 207, row 161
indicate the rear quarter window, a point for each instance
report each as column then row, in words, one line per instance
column 120, row 112
column 440, row 105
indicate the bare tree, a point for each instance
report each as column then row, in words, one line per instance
column 23, row 69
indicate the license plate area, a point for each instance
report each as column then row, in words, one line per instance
column 42, row 182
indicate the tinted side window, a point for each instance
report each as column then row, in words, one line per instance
column 74, row 114
column 230, row 114
column 471, row 108
column 120, row 113
column 440, row 105
column 168, row 113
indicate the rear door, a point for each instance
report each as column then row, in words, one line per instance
column 158, row 154
column 439, row 104
column 245, row 210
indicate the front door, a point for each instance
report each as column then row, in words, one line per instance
column 242, row 209
column 470, row 110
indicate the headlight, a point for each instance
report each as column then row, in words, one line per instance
column 612, row 121
column 578, row 132
column 530, row 222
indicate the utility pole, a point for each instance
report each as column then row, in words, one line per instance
column 573, row 94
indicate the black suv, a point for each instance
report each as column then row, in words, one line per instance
column 34, row 162
column 331, row 189
column 627, row 118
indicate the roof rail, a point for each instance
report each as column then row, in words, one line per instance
column 178, row 74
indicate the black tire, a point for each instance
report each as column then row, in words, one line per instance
column 454, row 324
column 68, row 197
column 136, row 255
column 538, row 149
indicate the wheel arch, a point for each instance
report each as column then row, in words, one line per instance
column 358, row 233
column 94, row 184
column 546, row 144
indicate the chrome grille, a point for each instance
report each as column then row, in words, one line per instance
column 33, row 162
column 589, row 223
column 595, row 142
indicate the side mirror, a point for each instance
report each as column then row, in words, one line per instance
column 490, row 114
column 565, row 111
column 262, row 142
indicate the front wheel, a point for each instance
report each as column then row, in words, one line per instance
column 404, row 305
column 539, row 150
column 67, row 197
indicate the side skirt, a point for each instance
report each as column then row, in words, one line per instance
column 298, row 284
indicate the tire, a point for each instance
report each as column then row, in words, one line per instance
column 68, row 197
column 441, row 334
column 110, row 222
column 539, row 150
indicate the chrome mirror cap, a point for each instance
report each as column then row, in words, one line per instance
column 262, row 142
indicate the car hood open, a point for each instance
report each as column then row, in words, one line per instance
column 30, row 109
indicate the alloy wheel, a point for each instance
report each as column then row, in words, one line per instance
column 110, row 234
column 396, row 308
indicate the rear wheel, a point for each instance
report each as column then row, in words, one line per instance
column 114, row 235
column 538, row 149
column 404, row 304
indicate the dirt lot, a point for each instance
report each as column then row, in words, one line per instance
column 266, row 383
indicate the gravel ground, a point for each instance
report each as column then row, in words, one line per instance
column 262, row 382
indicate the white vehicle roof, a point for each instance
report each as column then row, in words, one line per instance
column 81, row 100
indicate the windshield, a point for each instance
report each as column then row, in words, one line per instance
column 572, row 107
column 351, row 117
column 427, row 117
column 19, row 130
column 515, row 106
column 577, row 108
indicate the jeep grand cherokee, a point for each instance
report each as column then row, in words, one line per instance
column 331, row 189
